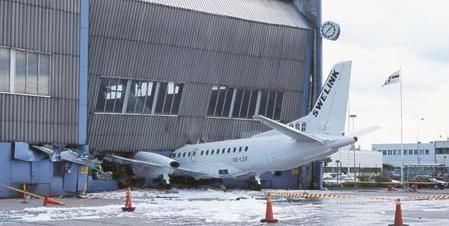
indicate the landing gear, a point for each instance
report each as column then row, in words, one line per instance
column 255, row 183
column 165, row 182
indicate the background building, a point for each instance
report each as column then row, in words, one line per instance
column 129, row 75
column 414, row 154
column 419, row 158
column 364, row 163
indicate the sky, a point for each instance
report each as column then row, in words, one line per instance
column 381, row 37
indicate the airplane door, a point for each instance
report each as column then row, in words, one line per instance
column 193, row 156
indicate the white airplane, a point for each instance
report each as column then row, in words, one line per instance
column 311, row 138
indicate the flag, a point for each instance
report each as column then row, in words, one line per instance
column 394, row 78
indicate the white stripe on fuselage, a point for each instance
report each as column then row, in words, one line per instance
column 252, row 155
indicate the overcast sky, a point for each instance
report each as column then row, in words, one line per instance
column 380, row 36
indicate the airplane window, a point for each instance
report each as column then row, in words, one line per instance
column 229, row 150
column 207, row 152
column 212, row 152
column 202, row 152
column 235, row 149
column 179, row 155
column 246, row 148
column 193, row 154
column 184, row 154
column 240, row 149
column 189, row 154
column 223, row 151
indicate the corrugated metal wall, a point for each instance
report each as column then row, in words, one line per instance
column 141, row 40
column 51, row 27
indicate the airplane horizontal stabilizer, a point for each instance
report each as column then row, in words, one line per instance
column 123, row 160
column 363, row 131
column 287, row 130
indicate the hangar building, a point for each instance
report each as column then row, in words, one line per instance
column 128, row 75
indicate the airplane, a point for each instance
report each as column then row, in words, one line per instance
column 310, row 138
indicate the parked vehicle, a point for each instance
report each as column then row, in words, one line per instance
column 337, row 180
column 426, row 181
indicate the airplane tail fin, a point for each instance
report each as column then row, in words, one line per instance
column 328, row 115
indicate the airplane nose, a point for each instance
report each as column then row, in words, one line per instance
column 355, row 139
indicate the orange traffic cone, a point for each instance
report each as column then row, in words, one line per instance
column 398, row 215
column 269, row 212
column 51, row 201
column 128, row 202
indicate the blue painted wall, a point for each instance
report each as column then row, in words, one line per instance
column 84, row 63
column 38, row 173
column 5, row 159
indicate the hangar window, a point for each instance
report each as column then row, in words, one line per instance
column 111, row 95
column 136, row 96
column 270, row 104
column 168, row 98
column 237, row 103
column 220, row 101
column 244, row 103
column 30, row 74
column 410, row 152
column 405, row 152
column 385, row 152
column 140, row 97
column 427, row 151
column 5, row 62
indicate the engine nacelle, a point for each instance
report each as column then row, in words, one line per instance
column 156, row 158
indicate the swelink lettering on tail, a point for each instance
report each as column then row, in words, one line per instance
column 326, row 90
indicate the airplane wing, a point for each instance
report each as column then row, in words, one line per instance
column 123, row 160
column 286, row 130
column 189, row 172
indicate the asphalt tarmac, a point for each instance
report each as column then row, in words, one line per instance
column 211, row 207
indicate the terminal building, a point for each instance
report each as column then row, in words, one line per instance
column 419, row 158
column 80, row 77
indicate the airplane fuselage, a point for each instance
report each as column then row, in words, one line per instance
column 252, row 156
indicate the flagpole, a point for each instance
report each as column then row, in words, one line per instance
column 402, row 128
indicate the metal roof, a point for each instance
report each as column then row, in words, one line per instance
column 265, row 11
